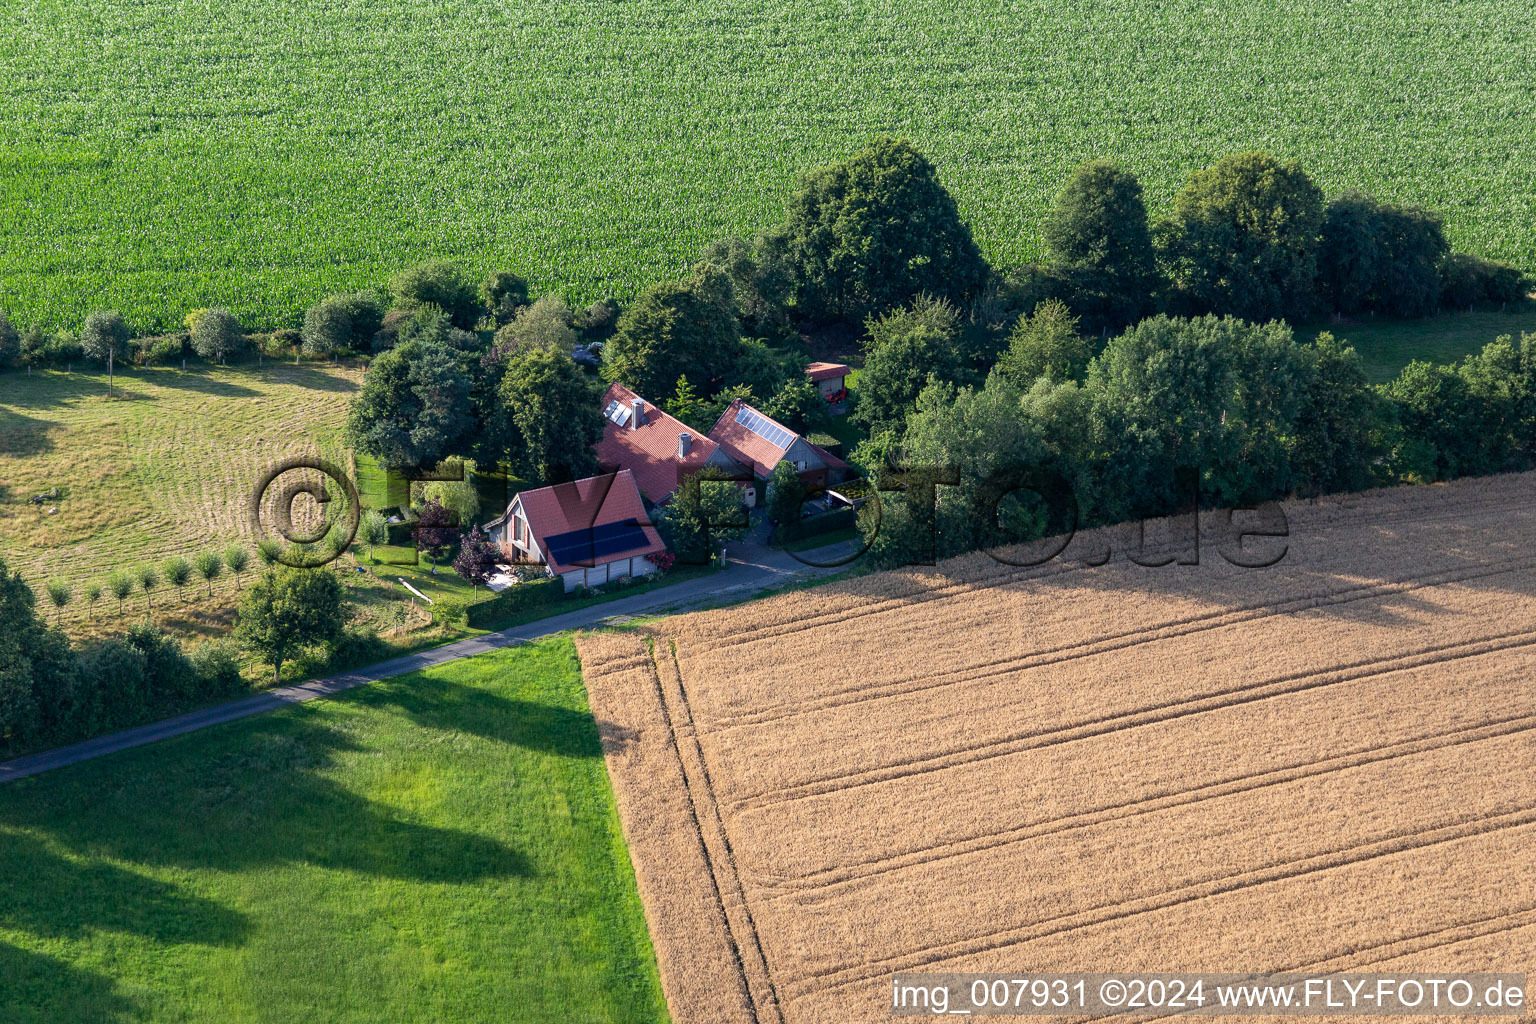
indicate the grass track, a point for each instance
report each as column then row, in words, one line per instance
column 161, row 157
column 442, row 846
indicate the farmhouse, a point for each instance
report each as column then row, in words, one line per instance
column 658, row 449
column 831, row 380
column 759, row 442
column 587, row 532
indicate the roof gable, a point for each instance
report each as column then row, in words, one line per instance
column 758, row 440
column 650, row 450
column 590, row 521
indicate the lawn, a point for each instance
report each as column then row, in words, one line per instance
column 167, row 468
column 442, row 846
column 159, row 157
column 1386, row 346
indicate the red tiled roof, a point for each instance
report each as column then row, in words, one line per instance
column 584, row 504
column 750, row 448
column 827, row 371
column 650, row 451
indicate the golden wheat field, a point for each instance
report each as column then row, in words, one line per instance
column 1325, row 765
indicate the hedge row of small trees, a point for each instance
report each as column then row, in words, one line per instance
column 53, row 693
column 175, row 571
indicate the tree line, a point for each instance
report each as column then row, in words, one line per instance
column 1257, row 414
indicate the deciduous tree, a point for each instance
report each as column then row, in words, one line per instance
column 288, row 609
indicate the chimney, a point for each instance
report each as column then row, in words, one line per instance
column 637, row 413
column 684, row 442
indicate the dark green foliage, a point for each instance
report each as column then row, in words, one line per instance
column 905, row 348
column 527, row 596
column 1378, row 257
column 441, row 284
column 686, row 327
column 545, row 324
column 217, row 335
column 413, row 409
column 798, row 405
column 162, row 351
column 760, row 283
column 596, row 322
column 1466, row 280
column 764, row 369
column 1243, row 239
column 503, row 293
column 1100, row 245
column 59, row 348
column 36, row 668
column 217, row 667
column 554, row 414
column 10, row 344
column 338, row 323
column 871, row 233
column 704, row 512
column 1334, row 422
column 112, row 690
column 105, row 336
column 289, row 609
column 1044, row 344
column 167, row 670
column 786, row 492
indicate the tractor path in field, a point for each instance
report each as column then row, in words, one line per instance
column 749, row 569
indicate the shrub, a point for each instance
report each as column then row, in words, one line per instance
column 217, row 335
column 1243, row 239
column 10, row 344
column 441, row 284
column 449, row 611
column 105, row 336
column 163, row 350
column 338, row 323
column 1380, row 257
column 1101, row 245
column 168, row 673
column 515, row 600
column 1466, row 280
column 503, row 293
column 217, row 668
column 111, row 689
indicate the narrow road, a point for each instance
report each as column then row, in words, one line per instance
column 749, row 569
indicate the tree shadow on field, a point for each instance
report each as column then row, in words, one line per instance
column 24, row 436
column 309, row 377
column 200, row 379
column 253, row 794
column 545, row 728
column 38, row 989
column 57, row 897
column 1393, row 557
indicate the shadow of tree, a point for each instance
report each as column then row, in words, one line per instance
column 57, row 897
column 199, row 379
column 38, row 989
column 439, row 704
column 267, row 801
column 24, row 436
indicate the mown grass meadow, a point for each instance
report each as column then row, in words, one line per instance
column 160, row 158
column 441, row 846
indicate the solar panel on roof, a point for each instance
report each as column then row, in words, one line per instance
column 618, row 412
column 764, row 427
column 594, row 543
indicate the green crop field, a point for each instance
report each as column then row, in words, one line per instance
column 159, row 157
column 438, row 847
